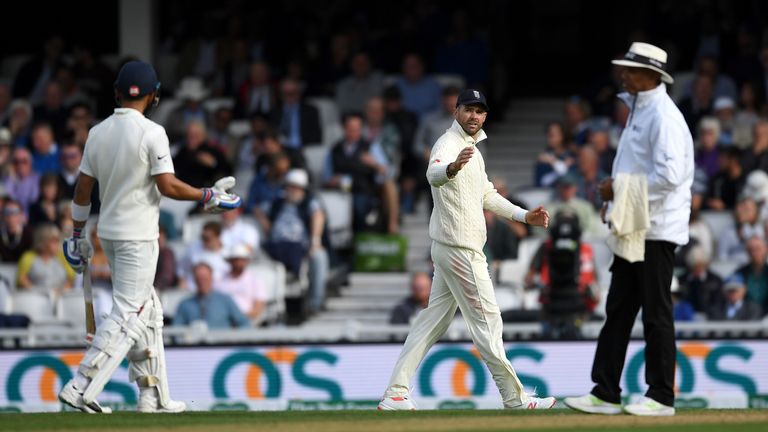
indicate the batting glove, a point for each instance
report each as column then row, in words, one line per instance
column 217, row 199
column 77, row 251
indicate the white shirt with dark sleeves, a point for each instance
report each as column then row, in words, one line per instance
column 123, row 153
column 457, row 218
column 656, row 142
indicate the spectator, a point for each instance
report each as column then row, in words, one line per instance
column 33, row 75
column 207, row 249
column 702, row 287
column 20, row 123
column 96, row 79
column 600, row 140
column 737, row 306
column 235, row 231
column 722, row 85
column 724, row 187
column 23, row 185
column 5, row 152
column 295, row 227
column 756, row 157
column 52, row 110
column 588, row 176
column 252, row 145
column 267, row 185
column 556, row 160
column 681, row 308
column 45, row 151
column 15, row 234
column 412, row 185
column 385, row 148
column 242, row 285
column 272, row 145
column 101, row 273
column 165, row 274
column 746, row 116
column 198, row 162
column 71, row 156
column 79, row 123
column 405, row 311
column 723, row 108
column 567, row 199
column 193, row 92
column 351, row 161
column 732, row 241
column 434, row 124
column 220, row 136
column 256, row 95
column 576, row 120
column 755, row 274
column 421, row 94
column 707, row 150
column 699, row 231
column 297, row 121
column 699, row 103
column 44, row 266
column 45, row 209
column 364, row 83
column 216, row 309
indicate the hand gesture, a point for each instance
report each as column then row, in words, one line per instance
column 605, row 189
column 464, row 156
column 537, row 217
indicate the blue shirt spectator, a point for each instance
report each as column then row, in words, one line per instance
column 421, row 94
column 216, row 309
column 45, row 156
column 24, row 184
column 267, row 185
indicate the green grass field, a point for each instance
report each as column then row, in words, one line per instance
column 349, row 421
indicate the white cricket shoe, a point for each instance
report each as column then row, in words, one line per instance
column 397, row 403
column 649, row 407
column 536, row 403
column 72, row 396
column 592, row 404
column 150, row 403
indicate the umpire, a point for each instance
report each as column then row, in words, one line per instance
column 657, row 145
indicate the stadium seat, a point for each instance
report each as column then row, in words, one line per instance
column 717, row 221
column 5, row 299
column 272, row 276
column 171, row 298
column 8, row 272
column 338, row 206
column 34, row 304
column 179, row 209
column 315, row 157
column 512, row 272
column 71, row 308
column 533, row 197
column 724, row 268
column 330, row 119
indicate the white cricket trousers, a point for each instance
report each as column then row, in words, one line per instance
column 461, row 279
column 133, row 265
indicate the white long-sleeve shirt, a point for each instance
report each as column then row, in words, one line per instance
column 656, row 142
column 457, row 218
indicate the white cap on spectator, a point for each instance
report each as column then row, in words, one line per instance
column 724, row 102
column 192, row 88
column 5, row 136
column 756, row 186
column 297, row 177
column 239, row 251
column 710, row 124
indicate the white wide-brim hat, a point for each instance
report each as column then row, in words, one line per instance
column 192, row 88
column 647, row 56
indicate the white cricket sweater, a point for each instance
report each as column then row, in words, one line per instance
column 457, row 217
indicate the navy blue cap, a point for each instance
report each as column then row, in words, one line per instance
column 136, row 79
column 472, row 97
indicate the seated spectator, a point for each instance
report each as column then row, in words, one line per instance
column 272, row 145
column 701, row 287
column 722, row 85
column 256, row 95
column 731, row 242
column 364, row 83
column 297, row 121
column 566, row 199
column 351, row 161
column 385, row 148
column 724, row 187
column 219, row 135
column 267, row 185
column 79, row 123
column 45, row 151
column 577, row 113
column 737, row 305
column 45, row 209
column 71, row 156
column 252, row 145
column 755, row 274
column 45, row 266
column 600, row 140
column 193, row 92
column 198, row 162
column 421, row 93
column 52, row 110
column 746, row 115
column 412, row 183
column 242, row 285
column 756, row 156
column 699, row 232
column 165, row 274
column 15, row 234
column 435, row 123
column 723, row 108
column 295, row 227
column 5, row 152
column 699, row 103
column 707, row 151
column 23, row 185
column 216, row 309
column 20, row 123
column 681, row 308
column 405, row 311
column 209, row 250
column 101, row 273
column 588, row 176
column 235, row 231
column 556, row 160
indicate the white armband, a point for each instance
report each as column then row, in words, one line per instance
column 80, row 213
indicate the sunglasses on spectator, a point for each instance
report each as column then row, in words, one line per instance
column 9, row 211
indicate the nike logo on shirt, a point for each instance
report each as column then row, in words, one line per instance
column 160, row 157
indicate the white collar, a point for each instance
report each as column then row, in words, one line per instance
column 644, row 97
column 128, row 111
column 457, row 129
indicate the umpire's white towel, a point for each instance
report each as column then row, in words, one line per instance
column 629, row 217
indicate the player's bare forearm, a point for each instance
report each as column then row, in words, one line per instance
column 171, row 187
column 82, row 196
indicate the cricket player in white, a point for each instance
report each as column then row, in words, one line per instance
column 129, row 156
column 461, row 191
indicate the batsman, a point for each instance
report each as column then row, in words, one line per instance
column 129, row 156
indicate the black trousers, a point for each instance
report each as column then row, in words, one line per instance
column 634, row 285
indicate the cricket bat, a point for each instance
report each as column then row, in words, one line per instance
column 90, row 320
